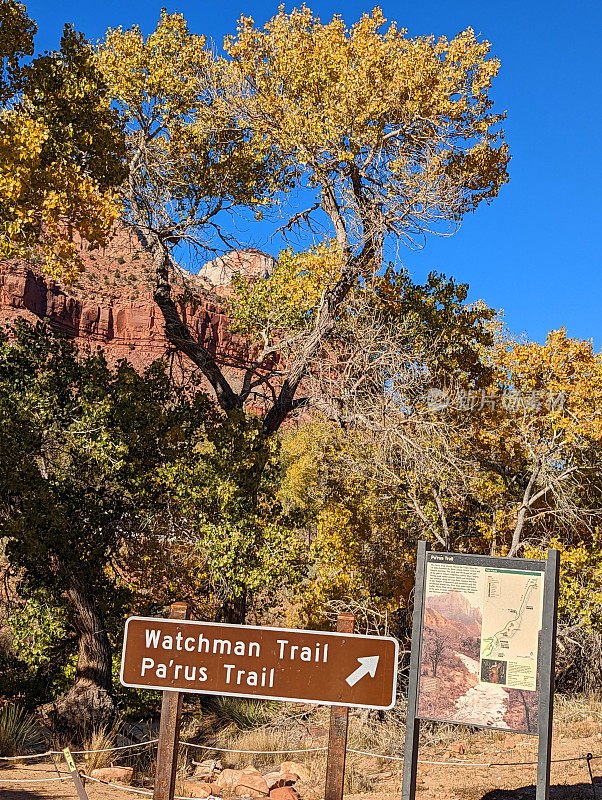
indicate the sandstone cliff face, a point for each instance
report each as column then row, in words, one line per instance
column 111, row 304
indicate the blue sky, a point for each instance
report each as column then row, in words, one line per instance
column 535, row 251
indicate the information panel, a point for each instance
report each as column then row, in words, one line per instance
column 481, row 627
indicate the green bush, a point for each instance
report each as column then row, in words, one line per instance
column 40, row 663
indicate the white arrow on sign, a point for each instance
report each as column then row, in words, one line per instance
column 368, row 667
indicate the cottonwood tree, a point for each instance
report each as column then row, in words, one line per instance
column 185, row 165
column 367, row 469
column 463, row 435
column 375, row 379
column 436, row 646
column 509, row 449
column 543, row 438
column 106, row 478
column 391, row 136
column 82, row 450
column 17, row 33
column 540, row 457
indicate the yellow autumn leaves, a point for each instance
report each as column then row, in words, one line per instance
column 364, row 507
column 60, row 146
column 283, row 304
column 167, row 68
column 404, row 122
column 43, row 203
column 373, row 99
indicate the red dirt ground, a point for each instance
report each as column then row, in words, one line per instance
column 450, row 781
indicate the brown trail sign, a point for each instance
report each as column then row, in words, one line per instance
column 271, row 663
column 338, row 669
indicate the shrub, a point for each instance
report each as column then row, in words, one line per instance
column 240, row 712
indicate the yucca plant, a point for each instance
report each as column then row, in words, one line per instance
column 19, row 732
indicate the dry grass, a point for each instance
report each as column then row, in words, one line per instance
column 102, row 737
column 269, row 738
column 308, row 730
column 577, row 717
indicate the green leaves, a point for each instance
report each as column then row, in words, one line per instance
column 38, row 627
column 103, row 470
column 79, row 447
column 226, row 494
column 437, row 313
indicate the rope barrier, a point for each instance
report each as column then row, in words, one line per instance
column 34, row 780
column 533, row 763
column 253, row 752
column 473, row 763
column 420, row 761
column 392, row 758
column 78, row 752
column 33, row 755
column 588, row 757
column 109, row 749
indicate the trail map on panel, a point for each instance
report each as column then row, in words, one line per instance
column 510, row 627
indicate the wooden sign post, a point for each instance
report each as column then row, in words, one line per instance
column 337, row 734
column 169, row 731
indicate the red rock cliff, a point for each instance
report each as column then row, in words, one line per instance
column 111, row 304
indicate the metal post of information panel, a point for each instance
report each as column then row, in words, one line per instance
column 410, row 758
column 169, row 730
column 545, row 709
column 337, row 735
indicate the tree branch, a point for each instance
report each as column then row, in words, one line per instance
column 426, row 520
column 522, row 512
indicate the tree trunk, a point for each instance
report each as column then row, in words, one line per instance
column 94, row 664
column 233, row 610
column 522, row 512
column 89, row 702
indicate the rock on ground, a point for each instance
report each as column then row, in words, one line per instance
column 111, row 774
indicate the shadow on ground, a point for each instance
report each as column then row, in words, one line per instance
column 577, row 791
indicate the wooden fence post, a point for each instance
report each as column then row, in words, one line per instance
column 337, row 737
column 169, row 730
